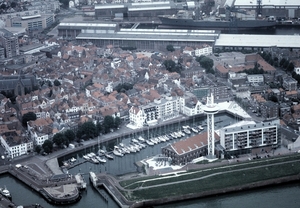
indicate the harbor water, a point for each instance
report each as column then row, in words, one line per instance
column 119, row 166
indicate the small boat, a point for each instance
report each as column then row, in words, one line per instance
column 86, row 157
column 101, row 152
column 73, row 160
column 141, row 139
column 153, row 140
column 100, row 159
column 109, row 156
column 161, row 139
column 125, row 150
column 173, row 135
column 149, row 142
column 121, row 145
column 187, row 131
column 135, row 141
column 142, row 145
column 182, row 133
column 4, row 192
column 117, row 152
column 200, row 127
column 92, row 154
column 185, row 127
column 194, row 130
column 94, row 160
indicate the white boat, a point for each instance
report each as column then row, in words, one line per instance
column 153, row 140
column 101, row 152
column 149, row 142
column 94, row 160
column 92, row 154
column 117, row 152
column 121, row 145
column 109, row 156
column 200, row 127
column 125, row 150
column 178, row 135
column 135, row 141
column 100, row 159
column 4, row 192
column 86, row 157
column 73, row 160
column 194, row 130
column 166, row 137
column 132, row 149
column 136, row 146
column 182, row 133
column 143, row 145
column 187, row 131
column 185, row 127
column 161, row 138
column 173, row 135
column 140, row 138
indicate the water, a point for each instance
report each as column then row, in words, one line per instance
column 286, row 195
column 118, row 166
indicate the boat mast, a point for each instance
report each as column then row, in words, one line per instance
column 259, row 8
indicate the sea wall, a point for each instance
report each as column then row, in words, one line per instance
column 255, row 185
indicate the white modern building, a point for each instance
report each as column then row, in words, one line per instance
column 15, row 145
column 203, row 51
column 255, row 78
column 250, row 137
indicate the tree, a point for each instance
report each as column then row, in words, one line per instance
column 59, row 139
column 13, row 4
column 38, row 148
column 117, row 122
column 274, row 98
column 70, row 135
column 87, row 130
column 56, row 83
column 170, row 48
column 170, row 65
column 282, row 61
column 206, row 62
column 30, row 116
column 290, row 67
column 108, row 123
column 47, row 146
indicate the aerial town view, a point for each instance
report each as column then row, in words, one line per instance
column 149, row 103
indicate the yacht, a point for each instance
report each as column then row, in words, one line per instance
column 153, row 140
column 4, row 192
column 187, row 131
column 109, row 156
column 142, row 145
column 125, row 150
column 86, row 157
column 94, row 160
column 185, row 127
column 200, row 127
column 135, row 141
column 92, row 154
column 100, row 159
column 121, row 145
column 194, row 130
column 141, row 139
column 73, row 160
column 131, row 149
column 117, row 151
column 101, row 152
column 150, row 143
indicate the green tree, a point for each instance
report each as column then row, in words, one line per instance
column 206, row 62
column 70, row 135
column 274, row 98
column 47, row 146
column 290, row 67
column 170, row 48
column 282, row 61
column 170, row 65
column 30, row 116
column 59, row 139
column 87, row 130
column 38, row 148
column 56, row 83
column 108, row 123
column 117, row 122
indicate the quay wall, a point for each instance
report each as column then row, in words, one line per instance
column 243, row 187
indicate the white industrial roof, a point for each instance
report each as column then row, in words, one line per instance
column 282, row 41
column 267, row 2
column 87, row 24
column 148, row 8
column 109, row 6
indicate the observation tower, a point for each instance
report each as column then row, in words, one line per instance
column 210, row 109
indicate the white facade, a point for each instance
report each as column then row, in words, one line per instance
column 18, row 149
column 251, row 135
column 255, row 78
column 203, row 51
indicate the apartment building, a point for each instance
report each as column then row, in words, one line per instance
column 289, row 84
column 9, row 42
column 249, row 137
